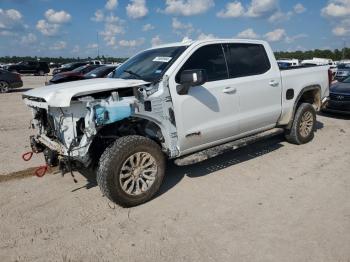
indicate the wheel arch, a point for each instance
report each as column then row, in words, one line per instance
column 137, row 125
column 310, row 94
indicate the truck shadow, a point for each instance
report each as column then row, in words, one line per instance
column 176, row 173
column 20, row 90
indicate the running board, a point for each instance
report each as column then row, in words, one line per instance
column 220, row 149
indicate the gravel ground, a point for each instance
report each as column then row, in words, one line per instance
column 270, row 201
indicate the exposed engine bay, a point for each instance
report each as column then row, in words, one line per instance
column 82, row 131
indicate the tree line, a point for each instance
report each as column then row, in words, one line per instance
column 59, row 60
column 335, row 55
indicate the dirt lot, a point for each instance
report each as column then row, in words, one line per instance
column 270, row 201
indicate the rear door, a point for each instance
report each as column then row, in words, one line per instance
column 208, row 113
column 258, row 85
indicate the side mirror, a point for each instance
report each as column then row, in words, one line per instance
column 188, row 78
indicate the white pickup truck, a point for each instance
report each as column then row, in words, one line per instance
column 168, row 102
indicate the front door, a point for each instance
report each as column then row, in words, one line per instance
column 208, row 113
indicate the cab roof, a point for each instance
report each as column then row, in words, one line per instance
column 189, row 42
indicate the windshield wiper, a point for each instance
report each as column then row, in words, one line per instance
column 133, row 73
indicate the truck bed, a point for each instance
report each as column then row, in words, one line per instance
column 298, row 78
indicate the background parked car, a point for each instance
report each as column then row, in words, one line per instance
column 74, row 75
column 100, row 72
column 55, row 65
column 29, row 67
column 68, row 67
column 343, row 71
column 339, row 97
column 284, row 65
column 9, row 80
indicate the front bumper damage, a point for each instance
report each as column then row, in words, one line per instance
column 66, row 134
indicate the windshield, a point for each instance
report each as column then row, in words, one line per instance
column 346, row 80
column 344, row 66
column 80, row 68
column 149, row 65
column 67, row 65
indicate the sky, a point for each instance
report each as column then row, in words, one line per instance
column 120, row 28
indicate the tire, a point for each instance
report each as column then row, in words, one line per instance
column 117, row 166
column 304, row 125
column 41, row 73
column 4, row 87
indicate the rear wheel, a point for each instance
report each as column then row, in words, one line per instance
column 4, row 87
column 304, row 125
column 131, row 170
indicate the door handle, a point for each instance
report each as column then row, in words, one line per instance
column 229, row 90
column 274, row 83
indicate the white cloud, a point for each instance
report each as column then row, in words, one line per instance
column 187, row 7
column 111, row 4
column 10, row 22
column 59, row 17
column 60, row 45
column 339, row 13
column 337, row 8
column 46, row 28
column 232, row 9
column 113, row 26
column 98, row 16
column 11, row 14
column 248, row 34
column 147, row 27
column 182, row 28
column 280, row 17
column 155, row 41
column 341, row 31
column 131, row 43
column 291, row 39
column 92, row 46
column 28, row 39
column 137, row 9
column 276, row 35
column 256, row 9
column 262, row 8
column 110, row 32
column 203, row 36
column 112, row 19
column 299, row 8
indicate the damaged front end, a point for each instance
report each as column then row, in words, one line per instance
column 65, row 134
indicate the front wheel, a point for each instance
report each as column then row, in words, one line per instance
column 131, row 170
column 304, row 125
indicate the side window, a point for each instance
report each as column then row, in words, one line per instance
column 247, row 60
column 211, row 58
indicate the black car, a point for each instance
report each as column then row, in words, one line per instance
column 74, row 75
column 29, row 67
column 9, row 80
column 100, row 72
column 68, row 67
column 339, row 97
